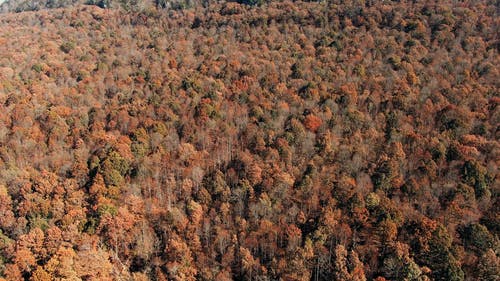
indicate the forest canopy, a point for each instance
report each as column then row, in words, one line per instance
column 332, row 140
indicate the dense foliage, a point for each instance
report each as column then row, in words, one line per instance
column 281, row 141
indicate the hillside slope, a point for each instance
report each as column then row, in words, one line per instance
column 291, row 141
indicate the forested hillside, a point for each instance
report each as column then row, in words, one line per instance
column 223, row 141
